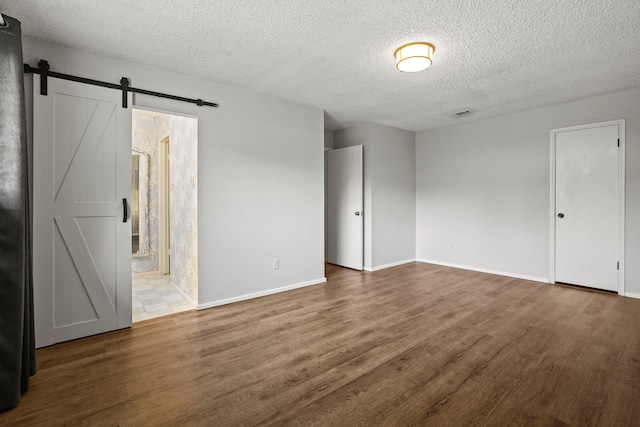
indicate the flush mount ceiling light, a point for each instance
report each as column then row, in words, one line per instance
column 414, row 57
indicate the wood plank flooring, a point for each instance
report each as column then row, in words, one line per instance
column 417, row 344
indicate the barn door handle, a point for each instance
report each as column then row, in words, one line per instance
column 125, row 210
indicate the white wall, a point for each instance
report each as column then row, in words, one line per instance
column 482, row 188
column 328, row 145
column 389, row 191
column 393, row 199
column 328, row 139
column 260, row 175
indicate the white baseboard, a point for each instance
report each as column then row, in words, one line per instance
column 393, row 264
column 630, row 295
column 483, row 270
column 260, row 294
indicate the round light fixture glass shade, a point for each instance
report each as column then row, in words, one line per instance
column 414, row 57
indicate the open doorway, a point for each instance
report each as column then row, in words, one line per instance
column 164, row 214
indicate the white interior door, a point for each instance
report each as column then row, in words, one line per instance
column 345, row 223
column 587, row 207
column 82, row 242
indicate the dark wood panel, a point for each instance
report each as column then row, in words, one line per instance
column 417, row 344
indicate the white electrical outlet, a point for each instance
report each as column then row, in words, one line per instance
column 276, row 263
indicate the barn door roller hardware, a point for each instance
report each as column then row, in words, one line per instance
column 45, row 71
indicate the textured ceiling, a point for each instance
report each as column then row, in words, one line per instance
column 492, row 56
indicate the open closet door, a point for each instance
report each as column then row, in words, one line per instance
column 345, row 220
column 82, row 236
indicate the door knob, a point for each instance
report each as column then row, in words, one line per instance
column 357, row 213
column 560, row 215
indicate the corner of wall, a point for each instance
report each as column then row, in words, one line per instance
column 328, row 139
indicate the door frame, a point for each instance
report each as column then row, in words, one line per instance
column 164, row 191
column 621, row 197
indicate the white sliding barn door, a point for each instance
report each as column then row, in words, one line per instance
column 345, row 220
column 82, row 245
column 588, row 205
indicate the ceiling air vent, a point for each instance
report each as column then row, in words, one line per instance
column 462, row 113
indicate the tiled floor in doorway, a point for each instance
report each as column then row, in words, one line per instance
column 154, row 295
